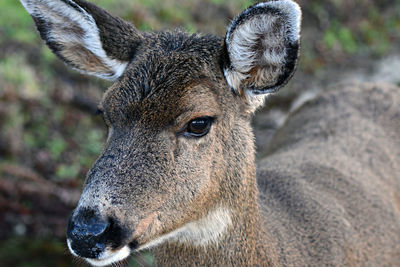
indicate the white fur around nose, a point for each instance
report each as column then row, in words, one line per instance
column 109, row 257
column 203, row 232
column 242, row 41
column 64, row 16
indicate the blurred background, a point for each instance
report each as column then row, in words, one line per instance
column 50, row 136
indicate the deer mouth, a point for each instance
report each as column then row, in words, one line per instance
column 102, row 241
column 107, row 257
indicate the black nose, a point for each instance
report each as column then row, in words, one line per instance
column 88, row 233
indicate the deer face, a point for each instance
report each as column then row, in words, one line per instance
column 162, row 153
column 179, row 140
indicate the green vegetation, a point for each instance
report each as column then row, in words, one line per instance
column 15, row 25
column 374, row 33
column 341, row 37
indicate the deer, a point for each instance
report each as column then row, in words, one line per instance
column 178, row 177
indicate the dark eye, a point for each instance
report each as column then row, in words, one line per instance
column 198, row 127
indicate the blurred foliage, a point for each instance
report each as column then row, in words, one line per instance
column 47, row 121
column 341, row 37
column 15, row 25
column 36, row 251
column 373, row 32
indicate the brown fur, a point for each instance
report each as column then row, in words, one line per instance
column 332, row 191
column 83, row 58
column 327, row 192
column 119, row 38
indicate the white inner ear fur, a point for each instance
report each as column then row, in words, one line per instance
column 64, row 17
column 243, row 55
column 262, row 29
column 205, row 231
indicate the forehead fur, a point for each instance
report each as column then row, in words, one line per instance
column 168, row 60
column 160, row 71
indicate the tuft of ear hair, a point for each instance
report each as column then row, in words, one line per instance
column 85, row 36
column 262, row 46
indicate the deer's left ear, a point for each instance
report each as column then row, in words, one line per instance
column 262, row 45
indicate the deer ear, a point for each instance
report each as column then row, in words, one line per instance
column 262, row 45
column 85, row 36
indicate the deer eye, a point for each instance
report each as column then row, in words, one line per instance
column 198, row 127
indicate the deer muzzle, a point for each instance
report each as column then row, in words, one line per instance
column 97, row 239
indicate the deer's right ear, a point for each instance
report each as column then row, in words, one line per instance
column 85, row 36
column 262, row 47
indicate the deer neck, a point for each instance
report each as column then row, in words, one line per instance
column 236, row 238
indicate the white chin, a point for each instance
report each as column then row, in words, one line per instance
column 108, row 257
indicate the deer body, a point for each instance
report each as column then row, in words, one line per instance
column 335, row 199
column 177, row 174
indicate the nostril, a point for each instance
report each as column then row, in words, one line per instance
column 88, row 225
column 97, row 229
column 89, row 229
